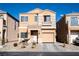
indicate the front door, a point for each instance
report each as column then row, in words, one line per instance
column 34, row 35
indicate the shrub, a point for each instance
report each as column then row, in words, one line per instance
column 15, row 44
column 33, row 45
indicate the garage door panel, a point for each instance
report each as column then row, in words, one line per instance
column 47, row 37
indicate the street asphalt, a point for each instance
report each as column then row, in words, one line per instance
column 39, row 53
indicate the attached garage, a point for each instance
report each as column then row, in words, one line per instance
column 48, row 35
column 73, row 36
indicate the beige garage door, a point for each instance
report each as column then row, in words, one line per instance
column 47, row 37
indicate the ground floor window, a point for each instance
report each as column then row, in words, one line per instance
column 24, row 34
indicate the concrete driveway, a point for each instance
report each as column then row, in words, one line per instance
column 42, row 47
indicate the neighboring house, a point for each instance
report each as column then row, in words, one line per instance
column 68, row 28
column 38, row 23
column 8, row 28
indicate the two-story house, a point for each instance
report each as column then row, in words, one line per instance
column 39, row 23
column 8, row 28
column 68, row 28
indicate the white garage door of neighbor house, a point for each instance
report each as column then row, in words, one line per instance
column 73, row 37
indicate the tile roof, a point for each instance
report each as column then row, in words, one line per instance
column 1, row 11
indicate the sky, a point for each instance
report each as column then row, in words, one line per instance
column 60, row 8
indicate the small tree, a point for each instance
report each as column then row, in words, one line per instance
column 15, row 44
column 64, row 44
column 33, row 44
column 3, row 41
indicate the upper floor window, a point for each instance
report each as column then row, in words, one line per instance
column 74, row 21
column 46, row 18
column 36, row 18
column 4, row 22
column 24, row 18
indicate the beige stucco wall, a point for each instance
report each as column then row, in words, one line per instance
column 31, row 18
column 1, row 26
column 71, row 28
column 69, row 22
column 64, row 28
column 49, row 36
column 12, row 33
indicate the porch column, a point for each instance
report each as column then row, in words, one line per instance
column 29, row 34
column 69, row 37
column 39, row 36
column 6, row 37
column 1, row 38
column 54, row 40
column 69, row 33
column 19, row 37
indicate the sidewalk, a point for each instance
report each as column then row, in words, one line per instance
column 69, row 47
